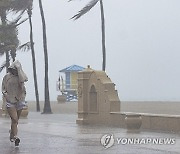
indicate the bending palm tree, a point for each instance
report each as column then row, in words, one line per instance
column 20, row 6
column 4, row 6
column 13, row 5
column 9, row 39
column 86, row 9
column 47, row 107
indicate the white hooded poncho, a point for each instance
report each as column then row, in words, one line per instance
column 13, row 87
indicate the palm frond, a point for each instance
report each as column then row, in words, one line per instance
column 29, row 10
column 19, row 5
column 22, row 12
column 5, row 48
column 2, row 66
column 84, row 10
column 2, row 52
column 15, row 23
column 25, row 47
column 22, row 21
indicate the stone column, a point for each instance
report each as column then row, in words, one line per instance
column 83, row 84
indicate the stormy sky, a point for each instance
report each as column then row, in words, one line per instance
column 142, row 44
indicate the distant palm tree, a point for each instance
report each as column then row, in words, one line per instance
column 47, row 106
column 86, row 9
column 29, row 11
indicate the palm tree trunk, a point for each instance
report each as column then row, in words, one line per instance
column 47, row 107
column 29, row 11
column 13, row 54
column 7, row 61
column 103, row 36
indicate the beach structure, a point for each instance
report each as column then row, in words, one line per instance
column 68, row 85
column 99, row 103
column 97, row 98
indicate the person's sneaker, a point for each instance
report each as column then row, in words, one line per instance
column 17, row 141
column 12, row 139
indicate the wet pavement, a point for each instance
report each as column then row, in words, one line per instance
column 59, row 134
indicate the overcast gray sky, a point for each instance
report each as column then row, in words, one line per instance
column 142, row 42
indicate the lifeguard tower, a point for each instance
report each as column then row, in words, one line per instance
column 68, row 87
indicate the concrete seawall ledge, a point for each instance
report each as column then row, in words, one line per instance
column 156, row 122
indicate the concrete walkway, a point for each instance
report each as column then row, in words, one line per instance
column 59, row 134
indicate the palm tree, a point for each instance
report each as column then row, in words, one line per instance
column 29, row 11
column 4, row 7
column 9, row 42
column 22, row 5
column 47, row 106
column 86, row 9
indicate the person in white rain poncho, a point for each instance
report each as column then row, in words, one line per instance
column 14, row 92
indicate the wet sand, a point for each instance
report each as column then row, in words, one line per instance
column 68, row 107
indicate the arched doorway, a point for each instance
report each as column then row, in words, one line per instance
column 93, row 99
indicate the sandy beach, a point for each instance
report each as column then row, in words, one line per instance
column 155, row 107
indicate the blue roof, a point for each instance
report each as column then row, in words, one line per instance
column 72, row 68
